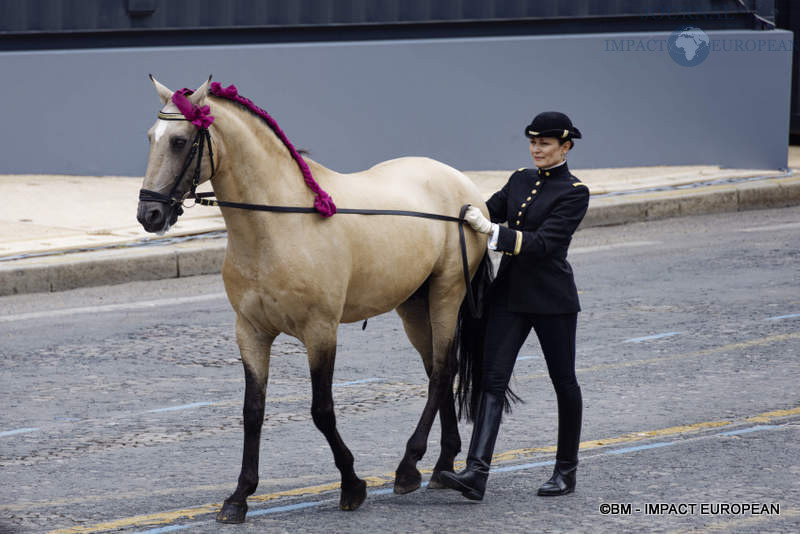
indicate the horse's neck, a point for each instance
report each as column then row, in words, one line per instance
column 256, row 168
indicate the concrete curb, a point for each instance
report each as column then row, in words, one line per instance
column 205, row 256
column 761, row 194
column 111, row 266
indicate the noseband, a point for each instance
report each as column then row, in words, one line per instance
column 201, row 139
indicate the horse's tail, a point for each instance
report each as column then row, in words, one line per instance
column 468, row 345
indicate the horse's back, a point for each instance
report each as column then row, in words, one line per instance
column 407, row 183
column 432, row 182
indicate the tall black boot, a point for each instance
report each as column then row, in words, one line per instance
column 570, row 412
column 471, row 482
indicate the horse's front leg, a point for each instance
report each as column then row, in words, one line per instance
column 321, row 358
column 254, row 348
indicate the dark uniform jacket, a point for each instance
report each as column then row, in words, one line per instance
column 543, row 210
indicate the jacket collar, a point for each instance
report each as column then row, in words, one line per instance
column 557, row 171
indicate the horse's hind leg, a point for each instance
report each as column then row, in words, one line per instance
column 443, row 304
column 416, row 320
column 451, row 440
column 321, row 360
column 255, row 350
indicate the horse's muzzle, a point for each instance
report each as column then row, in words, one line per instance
column 156, row 217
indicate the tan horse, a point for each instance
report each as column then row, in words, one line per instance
column 304, row 274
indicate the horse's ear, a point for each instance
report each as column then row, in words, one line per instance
column 200, row 95
column 164, row 92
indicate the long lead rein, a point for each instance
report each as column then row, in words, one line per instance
column 206, row 199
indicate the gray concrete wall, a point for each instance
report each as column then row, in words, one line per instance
column 462, row 101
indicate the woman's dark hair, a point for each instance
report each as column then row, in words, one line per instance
column 562, row 141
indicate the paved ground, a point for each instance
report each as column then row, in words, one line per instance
column 122, row 404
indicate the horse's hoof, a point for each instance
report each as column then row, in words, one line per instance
column 407, row 481
column 351, row 499
column 436, row 482
column 232, row 512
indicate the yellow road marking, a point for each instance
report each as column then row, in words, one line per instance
column 163, row 518
column 705, row 352
column 766, row 417
column 128, row 495
column 517, row 454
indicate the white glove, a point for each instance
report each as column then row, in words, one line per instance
column 477, row 221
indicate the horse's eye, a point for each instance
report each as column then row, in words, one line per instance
column 177, row 143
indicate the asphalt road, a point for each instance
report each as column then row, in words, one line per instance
column 122, row 405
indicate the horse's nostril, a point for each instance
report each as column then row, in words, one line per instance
column 153, row 216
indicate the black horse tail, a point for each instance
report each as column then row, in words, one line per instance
column 468, row 345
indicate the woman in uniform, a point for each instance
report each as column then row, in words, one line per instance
column 534, row 289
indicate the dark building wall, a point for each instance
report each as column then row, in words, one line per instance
column 86, row 15
column 54, row 24
column 787, row 16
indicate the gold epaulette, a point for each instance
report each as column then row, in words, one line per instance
column 576, row 184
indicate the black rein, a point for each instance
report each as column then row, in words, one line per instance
column 206, row 199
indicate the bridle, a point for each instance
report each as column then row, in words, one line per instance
column 323, row 204
column 201, row 139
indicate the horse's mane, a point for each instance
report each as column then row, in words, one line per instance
column 323, row 203
column 237, row 105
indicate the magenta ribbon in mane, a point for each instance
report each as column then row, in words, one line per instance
column 199, row 116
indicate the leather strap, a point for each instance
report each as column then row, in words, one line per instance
column 207, row 199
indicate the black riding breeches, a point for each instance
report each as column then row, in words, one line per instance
column 506, row 331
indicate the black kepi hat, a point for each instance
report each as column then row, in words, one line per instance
column 552, row 124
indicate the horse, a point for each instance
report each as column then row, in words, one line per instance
column 304, row 274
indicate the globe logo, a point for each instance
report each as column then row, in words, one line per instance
column 689, row 46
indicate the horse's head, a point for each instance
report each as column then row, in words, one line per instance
column 179, row 157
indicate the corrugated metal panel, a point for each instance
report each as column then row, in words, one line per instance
column 91, row 15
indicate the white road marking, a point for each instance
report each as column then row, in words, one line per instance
column 768, row 228
column 648, row 338
column 182, row 407
column 757, row 428
column 128, row 306
column 779, row 317
column 17, row 431
column 354, row 382
column 600, row 248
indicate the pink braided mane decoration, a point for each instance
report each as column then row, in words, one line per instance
column 199, row 116
column 323, row 203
